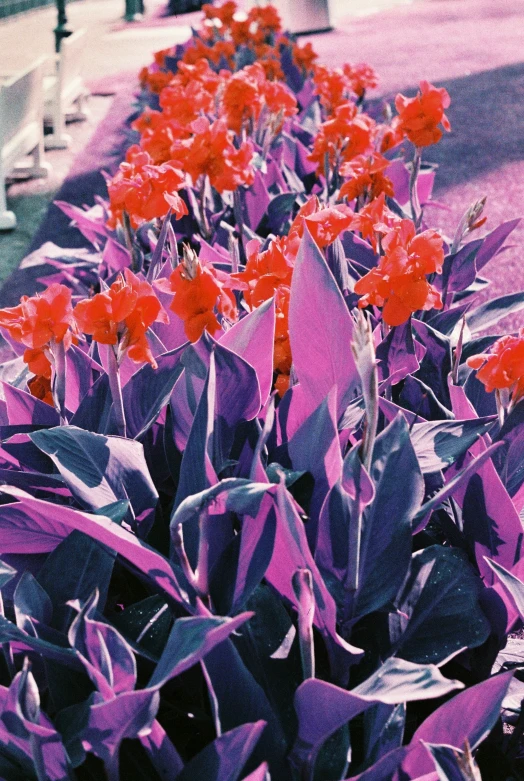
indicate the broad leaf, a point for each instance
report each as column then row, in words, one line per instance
column 441, row 589
column 100, row 470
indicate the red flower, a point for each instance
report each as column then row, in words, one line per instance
column 198, row 291
column 373, row 217
column 365, row 176
column 41, row 319
column 327, row 224
column 210, row 152
column 419, row 117
column 140, row 189
column 503, row 368
column 343, row 137
column 361, row 77
column 304, row 56
column 399, row 283
column 122, row 315
column 242, row 99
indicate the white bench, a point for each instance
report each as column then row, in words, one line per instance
column 21, row 130
column 64, row 90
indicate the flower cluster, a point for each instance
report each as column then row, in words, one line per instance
column 419, row 117
column 399, row 283
column 121, row 316
column 198, row 291
column 144, row 191
column 502, row 369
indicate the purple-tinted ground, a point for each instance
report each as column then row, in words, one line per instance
column 472, row 47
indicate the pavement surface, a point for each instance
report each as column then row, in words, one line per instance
column 472, row 47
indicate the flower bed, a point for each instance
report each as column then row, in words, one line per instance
column 262, row 469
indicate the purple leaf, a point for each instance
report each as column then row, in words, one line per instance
column 359, row 250
column 93, row 229
column 21, row 720
column 291, row 552
column 470, row 715
column 100, row 470
column 260, row 774
column 252, row 339
column 24, row 408
column 460, row 269
column 148, row 391
column 115, row 256
column 488, row 314
column 397, row 354
column 439, row 444
column 33, row 526
column 323, row 708
column 494, row 241
column 224, row 759
column 163, row 755
column 191, row 639
column 490, row 521
column 315, row 448
column 257, row 200
column 130, row 715
column 321, row 353
column 386, row 527
column 108, row 658
column 440, row 590
column 81, row 372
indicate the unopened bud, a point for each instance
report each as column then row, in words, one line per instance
column 189, row 261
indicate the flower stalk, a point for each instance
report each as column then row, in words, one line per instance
column 113, row 373
column 302, row 583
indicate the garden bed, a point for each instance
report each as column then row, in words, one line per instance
column 262, row 464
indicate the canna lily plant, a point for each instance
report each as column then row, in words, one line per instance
column 261, row 478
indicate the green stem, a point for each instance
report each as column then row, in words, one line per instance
column 302, row 583
column 416, row 211
column 116, row 391
column 59, row 380
column 38, row 757
column 239, row 219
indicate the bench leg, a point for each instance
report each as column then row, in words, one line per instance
column 82, row 112
column 40, row 168
column 59, row 139
column 7, row 218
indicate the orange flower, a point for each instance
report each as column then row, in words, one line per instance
column 327, row 224
column 210, row 152
column 121, row 316
column 365, row 177
column 265, row 18
column 242, row 99
column 40, row 388
column 198, row 290
column 224, row 13
column 140, row 189
column 343, row 137
column 374, row 216
column 154, row 79
column 41, row 319
column 503, row 368
column 304, row 56
column 360, row 77
column 419, row 117
column 399, row 283
column 265, row 271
